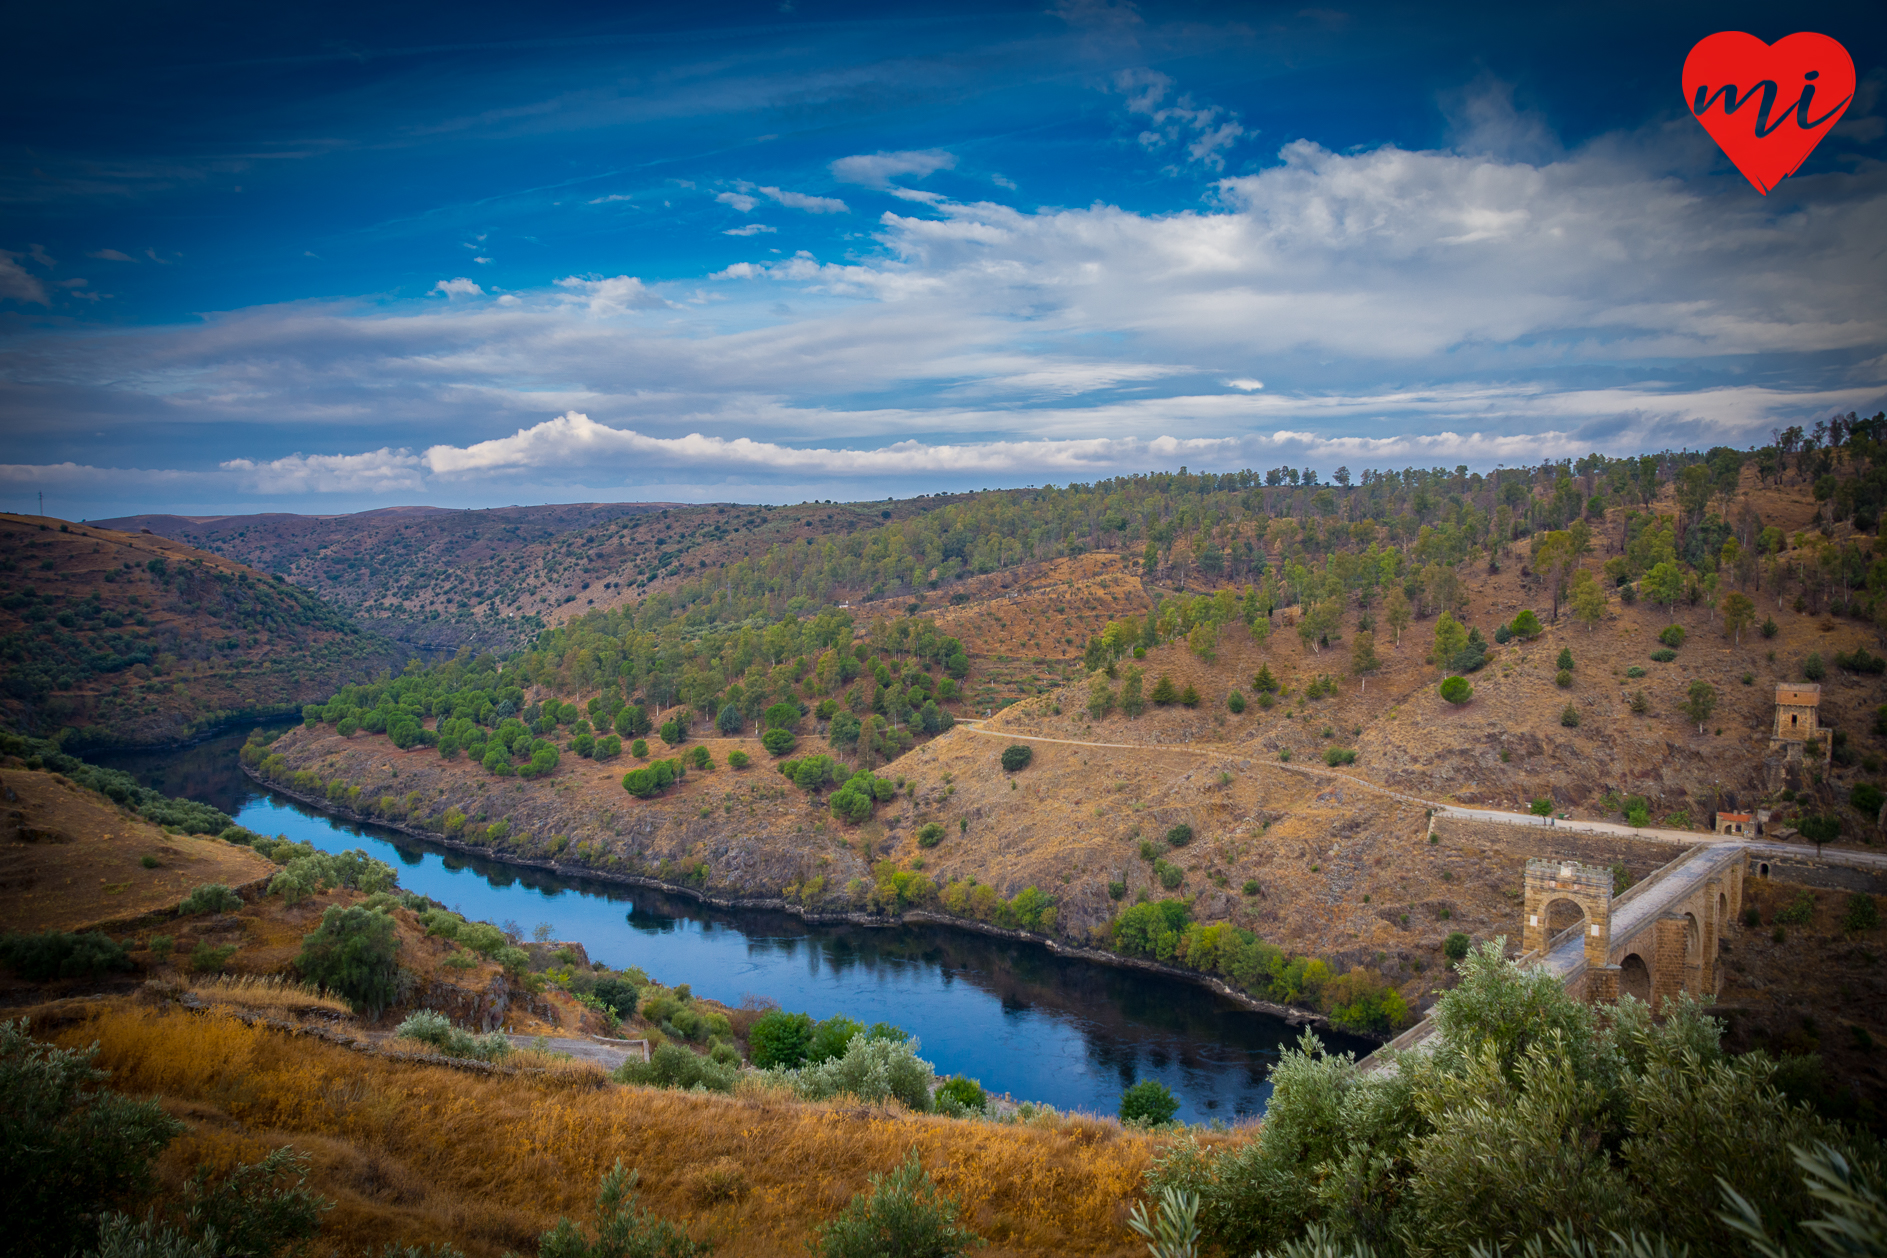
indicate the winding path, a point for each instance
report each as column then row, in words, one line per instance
column 1874, row 862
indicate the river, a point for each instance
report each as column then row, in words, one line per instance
column 1013, row 1015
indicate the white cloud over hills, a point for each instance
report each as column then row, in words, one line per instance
column 1378, row 307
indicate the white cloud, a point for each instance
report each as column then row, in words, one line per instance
column 614, row 196
column 1206, row 131
column 110, row 255
column 1246, row 383
column 876, row 170
column 749, row 229
column 17, row 283
column 812, row 205
column 378, row 472
column 460, row 287
column 739, row 200
column 615, row 295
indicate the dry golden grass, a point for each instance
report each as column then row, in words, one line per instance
column 418, row 1153
column 270, row 993
column 87, row 868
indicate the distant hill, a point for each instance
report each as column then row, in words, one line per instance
column 132, row 639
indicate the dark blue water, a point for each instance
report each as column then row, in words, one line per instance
column 1015, row 1016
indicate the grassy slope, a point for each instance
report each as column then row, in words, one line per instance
column 149, row 659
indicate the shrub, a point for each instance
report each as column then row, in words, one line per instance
column 672, row 1066
column 1636, row 670
column 1017, row 757
column 930, row 834
column 208, row 958
column 1526, row 626
column 1236, row 702
column 872, row 1068
column 1862, row 913
column 618, row 994
column 1563, row 679
column 1164, row 692
column 1769, row 627
column 1820, row 828
column 1664, row 655
column 1752, row 917
column 738, row 759
column 1169, row 874
column 1251, row 886
column 1116, row 889
column 1542, row 806
column 1335, row 756
column 1148, row 1102
column 1866, row 798
column 1813, row 668
column 1456, row 690
column 1672, row 635
column 1860, row 661
column 1179, row 836
column 831, row 1037
column 778, row 741
column 1189, row 697
column 71, row 1147
column 57, row 954
column 622, row 1230
column 1639, row 704
column 1149, row 850
column 639, row 749
column 353, row 953
column 435, row 1029
column 211, row 897
column 1569, row 715
column 1798, row 912
column 640, row 783
column 1503, row 635
column 967, row 1093
column 1455, row 947
column 779, row 1039
column 1565, row 661
column 901, row 1214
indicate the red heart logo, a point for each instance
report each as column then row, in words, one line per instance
column 1768, row 105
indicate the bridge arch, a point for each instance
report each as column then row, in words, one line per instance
column 1587, row 887
column 1634, row 977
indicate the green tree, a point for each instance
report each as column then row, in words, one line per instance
column 1148, row 1101
column 1016, row 758
column 901, row 1215
column 355, row 953
column 1665, row 583
column 1456, row 690
column 778, row 1038
column 1739, row 613
column 1700, row 702
column 1450, row 638
column 1396, row 612
column 1588, row 600
column 1363, row 659
column 1526, row 626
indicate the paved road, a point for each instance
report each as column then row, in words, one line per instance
column 1874, row 861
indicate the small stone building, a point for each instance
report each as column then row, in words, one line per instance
column 1798, row 720
column 1741, row 824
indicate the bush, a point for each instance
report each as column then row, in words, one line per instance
column 873, row 1067
column 435, row 1029
column 1542, row 806
column 967, row 1093
column 1862, row 913
column 1820, row 828
column 1664, row 655
column 71, row 1147
column 1456, row 690
column 211, row 897
column 1116, row 889
column 738, row 759
column 1638, row 703
column 639, row 749
column 930, row 834
column 1798, row 912
column 1860, row 661
column 57, row 954
column 353, row 953
column 1455, row 947
column 1565, row 661
column 779, row 1039
column 902, row 1215
column 618, row 994
column 1769, row 627
column 672, row 1066
column 1251, row 886
column 1636, row 670
column 1672, row 635
column 1017, row 757
column 1563, row 679
column 622, row 1230
column 208, row 958
column 1148, row 1102
column 1236, row 702
column 1526, row 626
column 1569, row 715
column 778, row 741
column 1164, row 692
column 1335, row 756
column 1169, row 874
column 1189, row 697
column 1813, row 668
column 1179, row 836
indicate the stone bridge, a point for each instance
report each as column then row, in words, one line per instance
column 1656, row 939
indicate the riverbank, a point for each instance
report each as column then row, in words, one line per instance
column 812, row 915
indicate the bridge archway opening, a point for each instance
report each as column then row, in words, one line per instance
column 1762, row 869
column 1562, row 914
column 1634, row 978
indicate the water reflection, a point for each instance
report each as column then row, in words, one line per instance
column 1016, row 1016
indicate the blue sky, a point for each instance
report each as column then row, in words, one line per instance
column 324, row 260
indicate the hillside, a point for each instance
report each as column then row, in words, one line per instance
column 130, row 639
